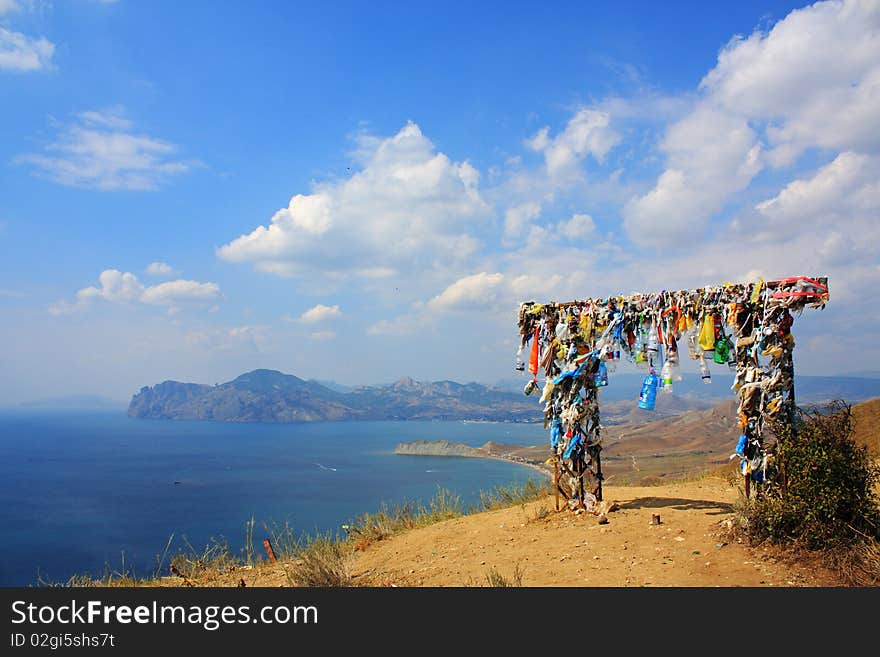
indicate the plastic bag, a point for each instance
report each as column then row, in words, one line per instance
column 707, row 333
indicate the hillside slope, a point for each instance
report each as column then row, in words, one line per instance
column 866, row 425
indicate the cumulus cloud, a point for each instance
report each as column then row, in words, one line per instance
column 838, row 205
column 815, row 75
column 21, row 53
column 711, row 155
column 588, row 132
column 174, row 292
column 518, row 218
column 579, row 227
column 409, row 208
column 812, row 81
column 101, row 151
column 849, row 182
column 320, row 313
column 160, row 269
column 469, row 293
column 124, row 287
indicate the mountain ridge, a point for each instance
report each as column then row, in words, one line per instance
column 271, row 396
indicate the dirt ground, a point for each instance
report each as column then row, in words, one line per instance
column 688, row 548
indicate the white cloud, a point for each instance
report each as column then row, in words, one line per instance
column 8, row 6
column 409, row 209
column 815, row 75
column 230, row 340
column 812, row 81
column 320, row 313
column 172, row 293
column 124, row 287
column 518, row 218
column 21, row 53
column 587, row 133
column 579, row 227
column 322, row 336
column 99, row 151
column 711, row 155
column 837, row 207
column 160, row 269
column 469, row 293
column 850, row 182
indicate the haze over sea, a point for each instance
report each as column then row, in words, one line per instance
column 80, row 488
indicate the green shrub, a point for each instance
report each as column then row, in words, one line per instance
column 827, row 497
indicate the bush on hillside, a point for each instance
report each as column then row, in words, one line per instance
column 830, row 500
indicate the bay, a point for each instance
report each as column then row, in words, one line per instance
column 80, row 491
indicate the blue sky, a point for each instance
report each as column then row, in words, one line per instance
column 366, row 191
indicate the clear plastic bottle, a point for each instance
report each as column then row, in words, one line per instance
column 653, row 343
column 600, row 378
column 705, row 374
column 693, row 348
column 666, row 375
column 520, row 364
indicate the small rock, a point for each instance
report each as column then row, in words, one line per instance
column 603, row 520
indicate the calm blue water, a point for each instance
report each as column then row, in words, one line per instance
column 77, row 489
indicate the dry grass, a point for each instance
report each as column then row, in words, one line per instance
column 504, row 496
column 496, row 579
column 389, row 520
column 323, row 562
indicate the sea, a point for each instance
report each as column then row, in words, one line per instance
column 89, row 492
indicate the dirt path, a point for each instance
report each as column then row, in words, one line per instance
column 564, row 549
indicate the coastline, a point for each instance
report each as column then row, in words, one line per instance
column 528, row 456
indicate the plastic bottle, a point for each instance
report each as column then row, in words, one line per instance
column 653, row 343
column 666, row 375
column 520, row 365
column 600, row 378
column 648, row 396
column 693, row 348
column 705, row 374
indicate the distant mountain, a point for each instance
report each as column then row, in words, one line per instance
column 270, row 396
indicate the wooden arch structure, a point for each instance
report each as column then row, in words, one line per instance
column 744, row 326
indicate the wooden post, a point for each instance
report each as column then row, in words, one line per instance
column 599, row 472
column 556, row 481
column 269, row 551
column 581, row 469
